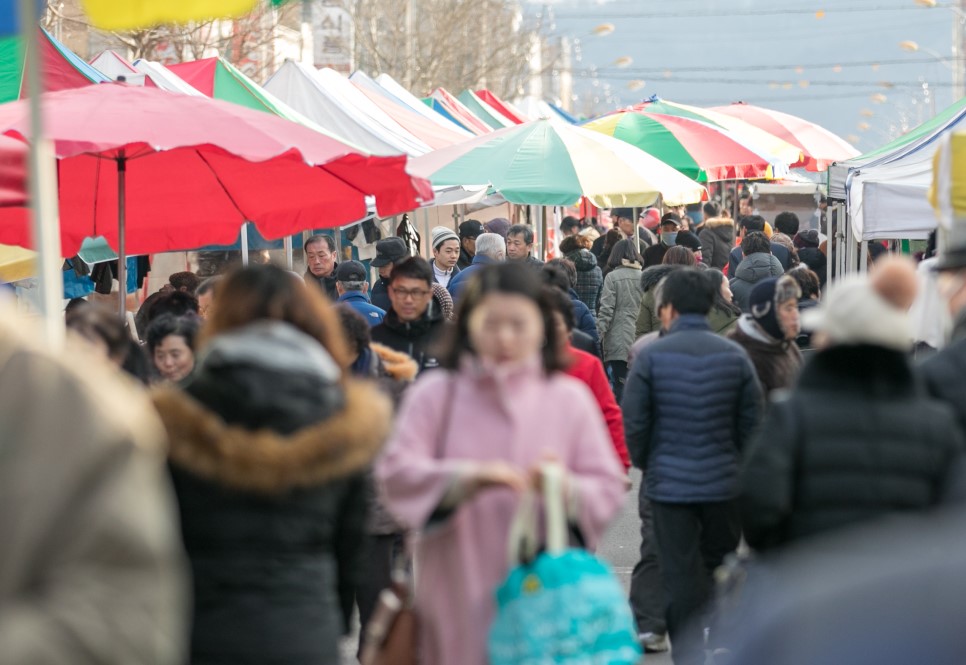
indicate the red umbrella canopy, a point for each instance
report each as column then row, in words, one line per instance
column 195, row 170
column 819, row 146
column 13, row 172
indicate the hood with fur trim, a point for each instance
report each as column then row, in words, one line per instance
column 265, row 461
column 653, row 275
column 397, row 364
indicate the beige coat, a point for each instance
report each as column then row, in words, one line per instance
column 90, row 562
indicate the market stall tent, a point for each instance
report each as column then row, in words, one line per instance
column 400, row 93
column 885, row 191
column 62, row 68
column 298, row 86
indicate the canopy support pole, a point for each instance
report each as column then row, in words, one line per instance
column 864, row 258
column 289, row 263
column 42, row 188
column 244, row 244
column 121, row 229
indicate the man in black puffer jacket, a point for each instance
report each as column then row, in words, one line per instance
column 413, row 324
column 858, row 438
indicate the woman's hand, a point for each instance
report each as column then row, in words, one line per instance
column 498, row 474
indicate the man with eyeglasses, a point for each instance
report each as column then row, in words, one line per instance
column 412, row 325
column 320, row 263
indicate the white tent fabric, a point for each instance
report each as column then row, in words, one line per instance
column 342, row 89
column 297, row 86
column 114, row 66
column 164, row 79
column 389, row 85
column 535, row 108
column 887, row 199
column 322, row 99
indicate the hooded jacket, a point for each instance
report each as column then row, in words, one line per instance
column 777, row 362
column 268, row 455
column 590, row 280
column 717, row 237
column 751, row 270
column 458, row 282
column 620, row 302
column 91, row 566
column 327, row 284
column 856, row 440
column 360, row 302
column 415, row 338
column 647, row 318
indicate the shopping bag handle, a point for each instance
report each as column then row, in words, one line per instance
column 523, row 541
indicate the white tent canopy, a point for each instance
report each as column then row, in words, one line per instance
column 389, row 85
column 164, row 79
column 331, row 101
column 885, row 192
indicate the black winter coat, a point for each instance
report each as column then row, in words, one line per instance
column 268, row 462
column 856, row 440
column 379, row 296
column 415, row 339
column 945, row 373
column 327, row 284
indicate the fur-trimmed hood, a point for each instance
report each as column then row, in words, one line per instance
column 719, row 222
column 651, row 276
column 264, row 461
column 397, row 364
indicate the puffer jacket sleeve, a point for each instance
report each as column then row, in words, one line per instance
column 750, row 406
column 608, row 301
column 636, row 408
column 768, row 477
column 587, row 323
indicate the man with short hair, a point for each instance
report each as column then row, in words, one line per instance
column 389, row 252
column 446, row 254
column 352, row 286
column 758, row 264
column 411, row 325
column 787, row 222
column 670, row 225
column 569, row 226
column 320, row 263
column 519, row 245
column 687, row 436
column 186, row 282
column 469, row 231
column 752, row 224
column 490, row 248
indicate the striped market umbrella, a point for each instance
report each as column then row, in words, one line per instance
column 546, row 163
column 748, row 134
column 819, row 146
column 697, row 149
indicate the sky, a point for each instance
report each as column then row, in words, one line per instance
column 837, row 63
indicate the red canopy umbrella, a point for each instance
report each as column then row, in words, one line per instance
column 819, row 146
column 13, row 173
column 153, row 171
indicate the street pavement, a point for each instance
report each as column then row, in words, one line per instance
column 619, row 548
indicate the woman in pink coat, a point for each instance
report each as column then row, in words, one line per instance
column 469, row 439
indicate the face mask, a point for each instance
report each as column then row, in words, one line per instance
column 669, row 238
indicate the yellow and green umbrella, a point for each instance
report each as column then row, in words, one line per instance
column 697, row 149
column 546, row 163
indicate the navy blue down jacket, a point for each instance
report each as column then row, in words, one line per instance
column 691, row 403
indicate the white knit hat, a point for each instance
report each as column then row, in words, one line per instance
column 854, row 313
column 441, row 234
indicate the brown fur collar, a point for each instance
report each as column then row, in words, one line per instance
column 718, row 221
column 267, row 462
column 399, row 365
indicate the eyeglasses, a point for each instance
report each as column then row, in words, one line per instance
column 406, row 294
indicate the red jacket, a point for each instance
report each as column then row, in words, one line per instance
column 588, row 369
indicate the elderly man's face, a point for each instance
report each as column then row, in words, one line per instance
column 626, row 226
column 319, row 259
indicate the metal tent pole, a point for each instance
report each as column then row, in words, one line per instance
column 289, row 261
column 244, row 244
column 121, row 232
column 42, row 187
